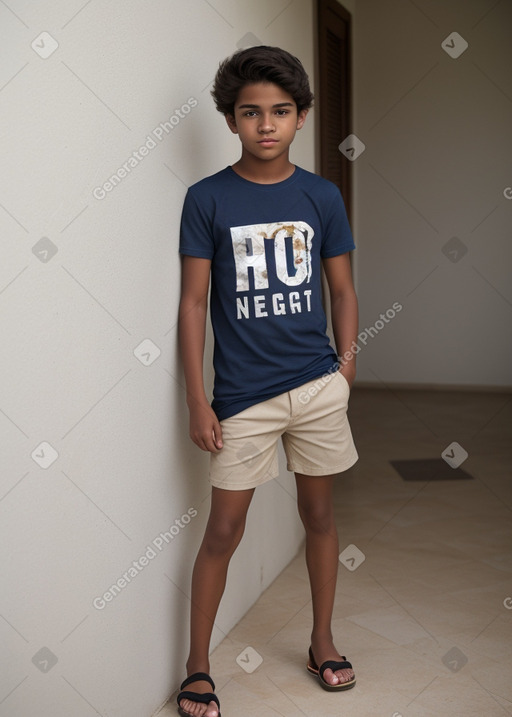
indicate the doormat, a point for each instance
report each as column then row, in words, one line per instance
column 427, row 469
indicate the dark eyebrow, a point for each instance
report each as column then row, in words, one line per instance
column 257, row 107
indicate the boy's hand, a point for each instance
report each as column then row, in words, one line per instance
column 205, row 429
column 349, row 371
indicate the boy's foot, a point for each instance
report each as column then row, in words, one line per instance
column 198, row 699
column 320, row 653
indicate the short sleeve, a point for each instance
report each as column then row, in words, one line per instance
column 196, row 238
column 337, row 236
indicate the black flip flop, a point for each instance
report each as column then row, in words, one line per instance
column 196, row 696
column 334, row 665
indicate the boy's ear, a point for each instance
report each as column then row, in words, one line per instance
column 232, row 123
column 301, row 118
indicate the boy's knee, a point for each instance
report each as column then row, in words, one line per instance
column 317, row 517
column 223, row 536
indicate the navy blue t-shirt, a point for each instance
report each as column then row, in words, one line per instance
column 265, row 242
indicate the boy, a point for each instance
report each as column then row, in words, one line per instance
column 261, row 228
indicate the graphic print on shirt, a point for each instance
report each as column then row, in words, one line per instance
column 291, row 245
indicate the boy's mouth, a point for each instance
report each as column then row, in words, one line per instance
column 267, row 140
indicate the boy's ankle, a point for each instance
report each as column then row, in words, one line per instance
column 322, row 638
column 193, row 666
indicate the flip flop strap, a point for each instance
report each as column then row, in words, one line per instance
column 333, row 665
column 196, row 677
column 196, row 697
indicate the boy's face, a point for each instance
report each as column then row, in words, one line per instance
column 266, row 120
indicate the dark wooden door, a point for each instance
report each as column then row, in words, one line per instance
column 334, row 95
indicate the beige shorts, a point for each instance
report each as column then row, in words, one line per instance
column 312, row 421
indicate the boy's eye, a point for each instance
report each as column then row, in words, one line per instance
column 254, row 113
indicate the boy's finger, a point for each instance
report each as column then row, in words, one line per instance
column 204, row 443
column 217, row 435
column 209, row 443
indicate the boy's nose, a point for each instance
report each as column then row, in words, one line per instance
column 266, row 125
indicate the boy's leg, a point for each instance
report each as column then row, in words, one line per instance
column 315, row 504
column 223, row 533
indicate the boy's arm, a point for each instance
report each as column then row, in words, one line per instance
column 205, row 428
column 344, row 311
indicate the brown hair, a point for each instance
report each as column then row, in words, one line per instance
column 260, row 64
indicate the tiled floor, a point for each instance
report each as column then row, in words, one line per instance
column 425, row 618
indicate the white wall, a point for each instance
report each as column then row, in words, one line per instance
column 89, row 358
column 436, row 165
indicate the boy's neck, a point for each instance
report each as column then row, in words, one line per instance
column 263, row 171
